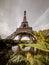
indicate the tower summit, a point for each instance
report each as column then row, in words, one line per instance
column 24, row 19
column 24, row 13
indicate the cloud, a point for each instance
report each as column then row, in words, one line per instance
column 43, row 21
column 4, row 29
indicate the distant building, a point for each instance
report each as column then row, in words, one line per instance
column 46, row 32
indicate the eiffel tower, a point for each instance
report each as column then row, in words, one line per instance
column 23, row 30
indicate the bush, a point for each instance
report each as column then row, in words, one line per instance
column 18, row 60
column 42, row 60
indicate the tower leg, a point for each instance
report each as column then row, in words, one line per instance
column 20, row 36
column 31, row 39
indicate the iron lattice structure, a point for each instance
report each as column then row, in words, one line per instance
column 23, row 30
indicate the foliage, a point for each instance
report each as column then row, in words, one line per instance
column 41, row 36
column 4, row 57
column 29, row 58
column 42, row 60
column 42, row 44
column 18, row 60
column 4, row 51
column 42, row 41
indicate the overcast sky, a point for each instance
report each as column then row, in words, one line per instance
column 11, row 14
